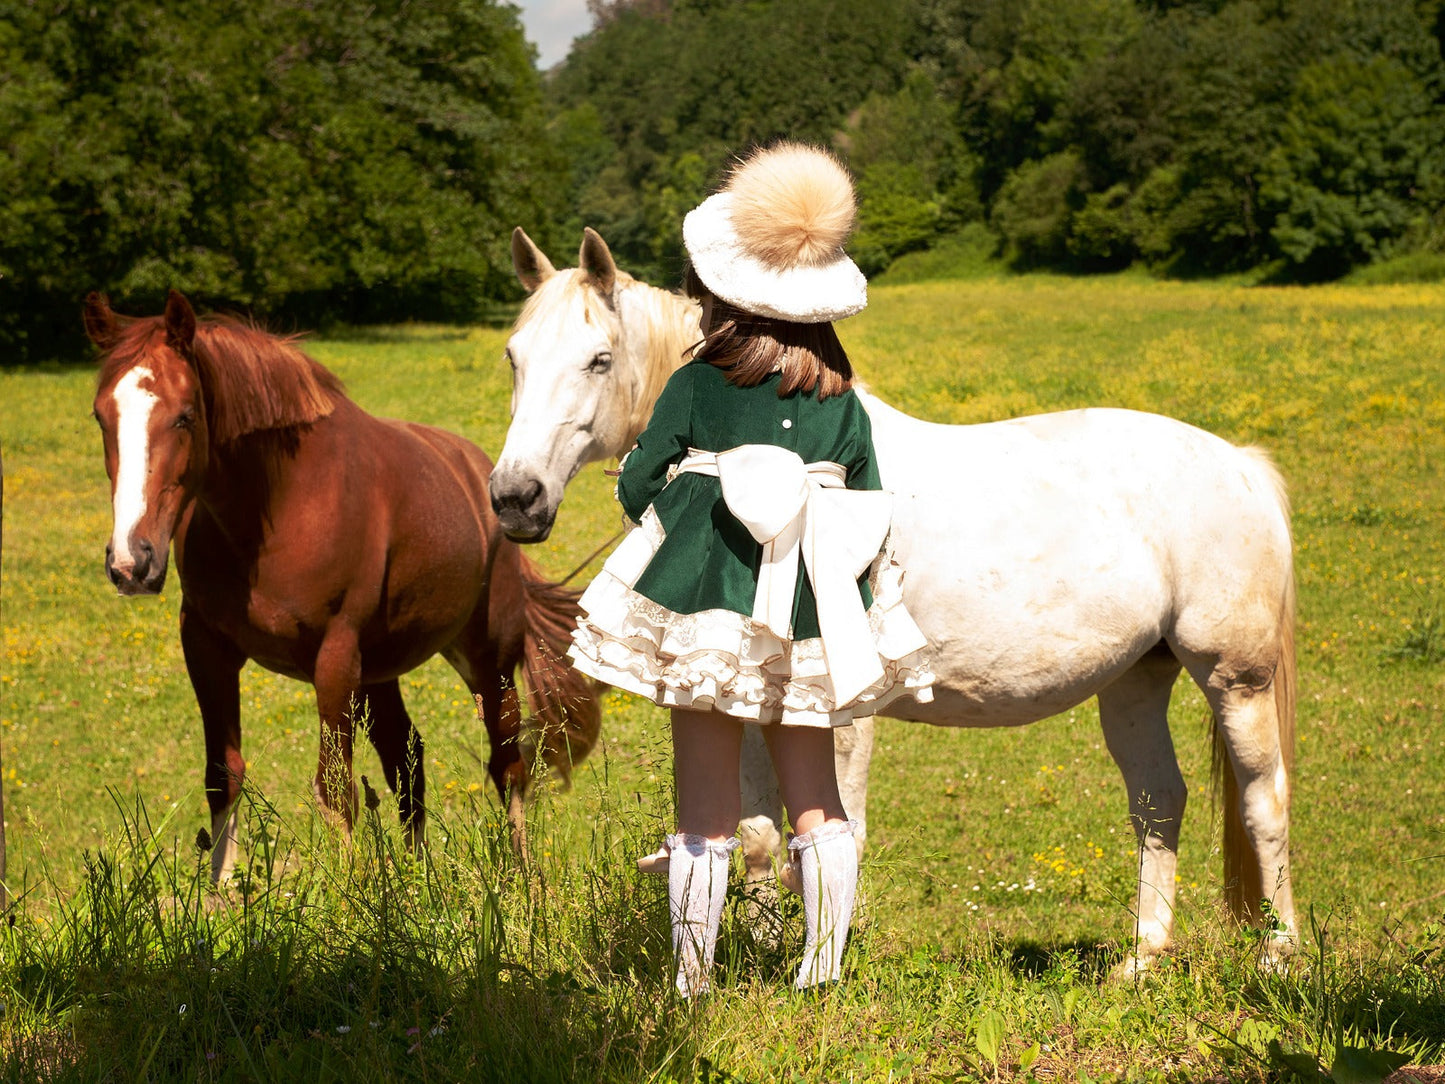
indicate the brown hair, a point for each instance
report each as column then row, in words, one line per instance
column 254, row 381
column 748, row 348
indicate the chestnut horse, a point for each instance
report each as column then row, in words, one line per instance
column 327, row 545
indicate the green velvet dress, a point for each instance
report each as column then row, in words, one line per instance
column 680, row 631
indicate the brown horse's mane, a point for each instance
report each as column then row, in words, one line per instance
column 254, row 381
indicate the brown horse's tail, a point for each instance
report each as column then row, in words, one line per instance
column 1243, row 888
column 566, row 714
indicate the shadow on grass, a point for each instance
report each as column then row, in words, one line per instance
column 329, row 960
column 1086, row 961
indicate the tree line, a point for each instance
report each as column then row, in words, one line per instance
column 1306, row 137
column 315, row 160
column 306, row 160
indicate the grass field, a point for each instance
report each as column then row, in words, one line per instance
column 1001, row 863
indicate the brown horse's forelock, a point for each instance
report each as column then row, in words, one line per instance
column 253, row 380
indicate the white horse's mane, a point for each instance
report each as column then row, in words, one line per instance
column 671, row 321
column 655, row 332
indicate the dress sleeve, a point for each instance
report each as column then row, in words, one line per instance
column 664, row 442
column 863, row 471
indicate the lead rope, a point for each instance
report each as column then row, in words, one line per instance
column 592, row 557
column 611, row 472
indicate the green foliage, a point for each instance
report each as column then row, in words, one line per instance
column 1302, row 136
column 1034, row 209
column 1018, row 67
column 1358, row 141
column 313, row 160
column 969, row 253
column 1408, row 267
column 681, row 88
column 915, row 178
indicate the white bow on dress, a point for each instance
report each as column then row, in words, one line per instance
column 792, row 508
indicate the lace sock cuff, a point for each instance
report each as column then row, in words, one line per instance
column 821, row 834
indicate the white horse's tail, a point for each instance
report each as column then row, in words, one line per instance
column 1243, row 887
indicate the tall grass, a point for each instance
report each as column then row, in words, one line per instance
column 336, row 960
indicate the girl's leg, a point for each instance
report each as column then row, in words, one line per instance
column 823, row 845
column 803, row 759
column 706, row 746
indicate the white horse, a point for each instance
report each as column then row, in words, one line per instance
column 1047, row 559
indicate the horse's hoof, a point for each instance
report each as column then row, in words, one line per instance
column 659, row 861
column 1134, row 967
column 1277, row 957
column 790, row 876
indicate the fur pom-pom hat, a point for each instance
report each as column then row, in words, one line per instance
column 771, row 242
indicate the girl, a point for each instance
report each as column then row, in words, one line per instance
column 745, row 593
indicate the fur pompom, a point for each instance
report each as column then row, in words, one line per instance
column 792, row 206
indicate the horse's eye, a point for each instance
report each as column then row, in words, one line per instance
column 601, row 363
column 187, row 420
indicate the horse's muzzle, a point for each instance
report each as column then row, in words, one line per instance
column 145, row 576
column 521, row 504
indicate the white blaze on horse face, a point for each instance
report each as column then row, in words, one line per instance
column 133, row 404
column 564, row 395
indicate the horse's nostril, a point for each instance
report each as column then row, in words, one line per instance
column 509, row 493
column 144, row 555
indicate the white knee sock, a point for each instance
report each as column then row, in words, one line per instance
column 828, row 865
column 697, row 884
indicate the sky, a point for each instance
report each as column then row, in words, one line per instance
column 551, row 25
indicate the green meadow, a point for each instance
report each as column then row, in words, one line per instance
column 998, row 884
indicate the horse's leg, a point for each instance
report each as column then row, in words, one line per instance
column 500, row 711
column 1248, row 716
column 338, row 681
column 852, row 758
column 214, row 666
column 761, row 835
column 398, row 743
column 763, row 803
column 1134, row 712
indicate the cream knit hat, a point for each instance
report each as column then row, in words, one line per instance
column 771, row 242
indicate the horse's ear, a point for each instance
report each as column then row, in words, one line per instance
column 100, row 322
column 180, row 321
column 531, row 265
column 595, row 258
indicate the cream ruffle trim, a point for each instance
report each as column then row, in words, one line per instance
column 724, row 661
